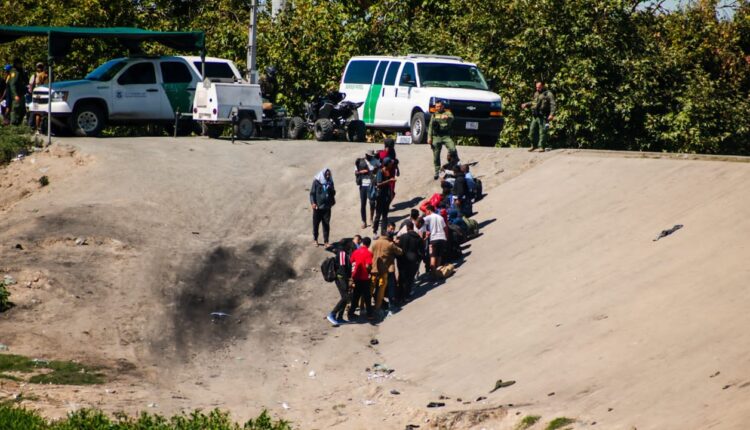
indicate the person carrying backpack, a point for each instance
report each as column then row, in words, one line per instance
column 364, row 170
column 343, row 267
column 322, row 199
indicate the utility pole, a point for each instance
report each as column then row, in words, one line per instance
column 251, row 72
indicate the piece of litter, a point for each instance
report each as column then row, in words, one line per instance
column 395, row 392
column 219, row 315
column 435, row 405
column 369, row 402
column 81, row 241
column 501, row 384
column 285, row 405
column 374, row 342
column 152, row 405
column 665, row 233
column 311, row 374
column 3, row 347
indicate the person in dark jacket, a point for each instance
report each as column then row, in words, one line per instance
column 461, row 192
column 384, row 183
column 408, row 263
column 322, row 199
column 343, row 282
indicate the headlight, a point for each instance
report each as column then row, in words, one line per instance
column 59, row 96
column 496, row 105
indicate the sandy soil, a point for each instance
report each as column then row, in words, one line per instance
column 135, row 242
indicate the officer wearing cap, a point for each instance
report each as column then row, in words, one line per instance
column 17, row 87
column 439, row 133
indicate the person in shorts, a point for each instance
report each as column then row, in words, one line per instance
column 436, row 235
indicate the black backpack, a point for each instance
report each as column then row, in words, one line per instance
column 478, row 191
column 328, row 269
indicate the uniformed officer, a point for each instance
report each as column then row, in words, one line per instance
column 439, row 134
column 542, row 112
column 17, row 87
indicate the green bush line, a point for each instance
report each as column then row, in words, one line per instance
column 13, row 141
column 16, row 418
column 62, row 372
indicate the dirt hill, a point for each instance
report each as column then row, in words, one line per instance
column 136, row 242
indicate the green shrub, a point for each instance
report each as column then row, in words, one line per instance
column 16, row 418
column 559, row 423
column 13, row 141
column 5, row 302
column 528, row 421
column 62, row 372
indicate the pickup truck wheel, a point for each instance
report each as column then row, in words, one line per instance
column 323, row 129
column 87, row 120
column 356, row 131
column 418, row 128
column 490, row 140
column 297, row 128
column 246, row 128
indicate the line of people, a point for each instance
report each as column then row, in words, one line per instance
column 16, row 90
column 378, row 276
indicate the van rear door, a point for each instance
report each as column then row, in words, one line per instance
column 357, row 81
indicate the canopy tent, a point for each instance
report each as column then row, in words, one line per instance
column 59, row 40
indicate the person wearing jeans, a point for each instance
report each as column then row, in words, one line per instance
column 322, row 199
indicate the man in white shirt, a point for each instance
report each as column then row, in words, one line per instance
column 436, row 234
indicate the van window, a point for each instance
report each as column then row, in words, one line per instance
column 408, row 76
column 139, row 73
column 360, row 72
column 216, row 69
column 451, row 75
column 390, row 75
column 175, row 72
column 380, row 73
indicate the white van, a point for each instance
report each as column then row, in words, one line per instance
column 399, row 93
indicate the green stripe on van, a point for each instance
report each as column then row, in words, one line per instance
column 371, row 102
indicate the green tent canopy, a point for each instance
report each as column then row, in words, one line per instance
column 60, row 38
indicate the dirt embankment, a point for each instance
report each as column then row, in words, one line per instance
column 184, row 266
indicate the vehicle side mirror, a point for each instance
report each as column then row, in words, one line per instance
column 491, row 83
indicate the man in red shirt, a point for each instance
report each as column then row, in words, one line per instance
column 361, row 260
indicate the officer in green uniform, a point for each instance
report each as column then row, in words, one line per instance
column 439, row 134
column 17, row 87
column 542, row 112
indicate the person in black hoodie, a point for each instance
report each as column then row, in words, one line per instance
column 408, row 263
column 322, row 199
column 461, row 192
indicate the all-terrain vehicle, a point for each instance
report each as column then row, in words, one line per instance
column 328, row 117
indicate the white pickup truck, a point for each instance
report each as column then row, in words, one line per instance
column 135, row 90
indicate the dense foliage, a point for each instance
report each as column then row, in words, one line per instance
column 626, row 74
column 15, row 418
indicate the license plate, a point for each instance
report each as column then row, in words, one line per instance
column 472, row 125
